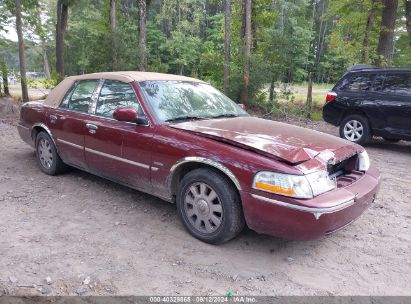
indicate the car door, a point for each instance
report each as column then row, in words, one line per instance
column 395, row 102
column 118, row 150
column 67, row 122
column 358, row 94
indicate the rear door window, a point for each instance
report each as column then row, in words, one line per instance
column 398, row 84
column 361, row 82
column 80, row 97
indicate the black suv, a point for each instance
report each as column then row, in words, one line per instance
column 369, row 101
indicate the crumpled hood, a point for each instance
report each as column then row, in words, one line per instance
column 286, row 142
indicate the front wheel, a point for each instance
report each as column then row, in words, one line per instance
column 355, row 128
column 209, row 206
column 47, row 156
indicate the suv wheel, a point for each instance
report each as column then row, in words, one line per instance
column 355, row 128
column 209, row 206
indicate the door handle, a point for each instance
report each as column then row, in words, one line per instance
column 91, row 126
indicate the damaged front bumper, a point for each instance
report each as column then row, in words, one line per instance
column 313, row 218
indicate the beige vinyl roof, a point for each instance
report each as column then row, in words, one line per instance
column 57, row 94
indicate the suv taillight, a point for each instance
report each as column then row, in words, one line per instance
column 330, row 97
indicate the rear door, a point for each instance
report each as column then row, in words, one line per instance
column 395, row 102
column 118, row 150
column 67, row 122
column 358, row 94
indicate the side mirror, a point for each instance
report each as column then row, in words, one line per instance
column 129, row 115
column 242, row 106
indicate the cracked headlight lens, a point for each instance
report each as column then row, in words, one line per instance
column 298, row 186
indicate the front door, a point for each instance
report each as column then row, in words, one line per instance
column 67, row 122
column 115, row 149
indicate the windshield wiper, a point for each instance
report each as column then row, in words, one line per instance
column 225, row 115
column 185, row 117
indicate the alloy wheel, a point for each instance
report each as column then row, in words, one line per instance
column 203, row 208
column 353, row 130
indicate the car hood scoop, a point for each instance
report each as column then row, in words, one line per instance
column 274, row 139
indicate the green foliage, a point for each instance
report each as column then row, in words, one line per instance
column 47, row 83
column 402, row 54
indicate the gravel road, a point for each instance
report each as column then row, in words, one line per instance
column 80, row 234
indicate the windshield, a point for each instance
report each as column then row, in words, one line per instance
column 179, row 100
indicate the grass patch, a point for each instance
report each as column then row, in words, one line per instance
column 317, row 116
column 15, row 92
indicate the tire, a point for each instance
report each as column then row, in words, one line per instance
column 209, row 206
column 355, row 128
column 47, row 157
column 392, row 140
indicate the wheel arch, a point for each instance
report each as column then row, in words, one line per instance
column 187, row 164
column 349, row 112
column 39, row 127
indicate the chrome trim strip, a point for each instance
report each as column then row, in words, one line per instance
column 317, row 212
column 206, row 161
column 118, row 158
column 69, row 143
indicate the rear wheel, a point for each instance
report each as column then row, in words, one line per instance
column 209, row 206
column 355, row 128
column 47, row 156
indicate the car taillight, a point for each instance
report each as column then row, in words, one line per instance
column 330, row 97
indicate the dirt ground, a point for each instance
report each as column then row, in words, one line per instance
column 80, row 234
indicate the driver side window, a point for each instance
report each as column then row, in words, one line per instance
column 116, row 94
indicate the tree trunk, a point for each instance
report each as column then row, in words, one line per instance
column 321, row 38
column 22, row 59
column 309, row 102
column 43, row 44
column 242, row 30
column 5, row 79
column 227, row 44
column 365, row 53
column 407, row 6
column 46, row 66
column 271, row 90
column 113, row 26
column 62, row 17
column 254, row 38
column 142, row 34
column 385, row 47
column 247, row 51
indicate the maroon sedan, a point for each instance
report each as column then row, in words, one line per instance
column 180, row 139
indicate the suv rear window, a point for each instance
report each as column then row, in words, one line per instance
column 361, row 82
column 397, row 84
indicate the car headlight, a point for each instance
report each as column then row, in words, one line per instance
column 298, row 186
column 363, row 161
